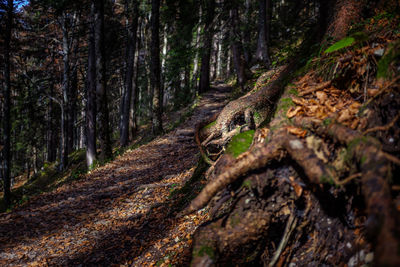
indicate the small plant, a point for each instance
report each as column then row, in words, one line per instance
column 345, row 42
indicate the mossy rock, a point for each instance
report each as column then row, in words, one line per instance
column 240, row 143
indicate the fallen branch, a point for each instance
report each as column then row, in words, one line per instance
column 383, row 128
column 319, row 87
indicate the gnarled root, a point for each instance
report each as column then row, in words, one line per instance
column 382, row 224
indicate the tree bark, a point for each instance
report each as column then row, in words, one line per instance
column 101, row 86
column 344, row 13
column 208, row 36
column 262, row 54
column 128, row 86
column 155, row 68
column 65, row 132
column 51, row 131
column 7, row 106
column 91, row 109
column 237, row 48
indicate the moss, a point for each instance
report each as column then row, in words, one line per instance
column 247, row 184
column 327, row 122
column 285, row 103
column 293, row 91
column 326, row 179
column 208, row 126
column 391, row 56
column 240, row 143
column 205, row 250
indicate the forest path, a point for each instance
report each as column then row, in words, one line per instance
column 117, row 214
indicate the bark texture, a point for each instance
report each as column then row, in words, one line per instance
column 7, row 105
column 91, row 110
column 101, row 84
column 130, row 63
column 209, row 8
column 157, row 127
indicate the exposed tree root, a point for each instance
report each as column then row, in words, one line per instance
column 383, row 218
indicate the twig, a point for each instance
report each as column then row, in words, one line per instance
column 383, row 89
column 291, row 224
column 383, row 128
column 348, row 179
column 391, row 158
column 316, row 88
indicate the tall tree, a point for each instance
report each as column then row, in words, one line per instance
column 262, row 54
column 65, row 111
column 101, row 82
column 7, row 105
column 130, row 63
column 155, row 68
column 91, row 110
column 209, row 9
column 239, row 61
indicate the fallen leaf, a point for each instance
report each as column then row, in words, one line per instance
column 344, row 116
column 293, row 111
column 297, row 131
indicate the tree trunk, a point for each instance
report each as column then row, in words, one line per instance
column 155, row 68
column 247, row 32
column 130, row 57
column 208, row 36
column 344, row 12
column 66, row 95
column 237, row 48
column 133, row 118
column 262, row 55
column 7, row 106
column 101, row 86
column 195, row 74
column 91, row 109
column 51, row 131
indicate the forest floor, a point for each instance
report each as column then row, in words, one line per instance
column 121, row 213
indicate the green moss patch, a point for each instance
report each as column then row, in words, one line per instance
column 240, row 143
column 208, row 126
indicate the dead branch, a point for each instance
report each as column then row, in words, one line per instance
column 319, row 87
column 383, row 128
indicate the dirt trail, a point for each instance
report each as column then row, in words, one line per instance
column 117, row 214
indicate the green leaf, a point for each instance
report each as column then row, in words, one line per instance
column 345, row 42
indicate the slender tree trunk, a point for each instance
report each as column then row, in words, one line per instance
column 262, row 55
column 7, row 106
column 133, row 116
column 51, row 131
column 155, row 68
column 66, row 95
column 238, row 58
column 101, row 86
column 91, row 109
column 196, row 57
column 208, row 36
column 246, row 33
column 130, row 57
column 219, row 55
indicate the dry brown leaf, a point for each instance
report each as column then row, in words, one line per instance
column 344, row 116
column 322, row 96
column 297, row 131
column 293, row 111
